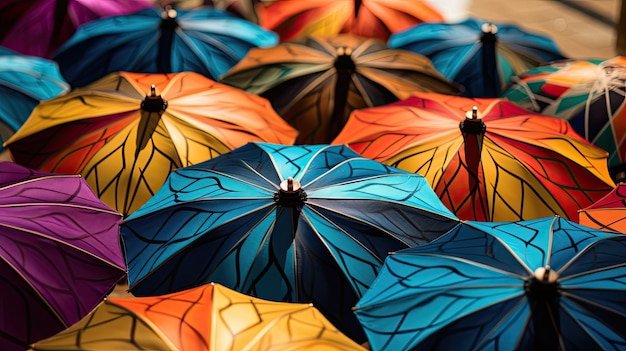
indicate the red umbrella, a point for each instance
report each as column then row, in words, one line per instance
column 503, row 163
column 367, row 18
column 608, row 213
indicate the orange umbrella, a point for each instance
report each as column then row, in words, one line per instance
column 315, row 83
column 608, row 213
column 500, row 163
column 125, row 132
column 367, row 18
column 207, row 318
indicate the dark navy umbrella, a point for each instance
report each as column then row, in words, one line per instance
column 542, row 284
column 285, row 223
column 202, row 40
column 479, row 55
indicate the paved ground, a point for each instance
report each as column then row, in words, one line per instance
column 577, row 33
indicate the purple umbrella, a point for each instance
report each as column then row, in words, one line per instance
column 60, row 253
column 39, row 27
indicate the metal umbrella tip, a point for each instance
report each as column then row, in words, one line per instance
column 489, row 28
column 545, row 275
column 168, row 12
column 290, row 193
column 290, row 185
column 472, row 124
column 153, row 102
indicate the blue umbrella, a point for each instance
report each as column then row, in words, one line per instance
column 285, row 223
column 202, row 40
column 543, row 284
column 24, row 82
column 481, row 56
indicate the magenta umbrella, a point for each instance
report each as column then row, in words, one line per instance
column 39, row 27
column 60, row 253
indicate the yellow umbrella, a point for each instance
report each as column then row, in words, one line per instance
column 210, row 317
column 125, row 132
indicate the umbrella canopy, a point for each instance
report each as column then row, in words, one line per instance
column 608, row 213
column 24, row 82
column 316, row 82
column 39, row 27
column 481, row 56
column 487, row 159
column 543, row 284
column 202, row 40
column 210, row 317
column 60, row 253
column 285, row 223
column 589, row 93
column 366, row 18
column 127, row 131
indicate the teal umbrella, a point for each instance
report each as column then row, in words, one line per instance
column 24, row 82
column 543, row 284
column 286, row 223
column 202, row 40
column 481, row 56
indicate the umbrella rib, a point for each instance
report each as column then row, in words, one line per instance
column 575, row 257
column 213, row 228
column 562, row 279
column 317, row 233
column 566, row 310
column 315, row 83
column 252, row 344
column 58, row 204
column 339, row 164
column 230, row 176
column 499, row 324
column 310, row 206
column 465, row 260
column 266, row 236
column 42, row 178
column 573, row 298
column 511, row 251
column 154, row 327
column 39, row 234
column 550, row 241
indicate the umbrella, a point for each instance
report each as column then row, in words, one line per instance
column 499, row 163
column 60, row 253
column 366, row 18
column 24, row 82
column 315, row 83
column 481, row 56
column 589, row 93
column 127, row 131
column 39, row 27
column 286, row 223
column 210, row 317
column 608, row 213
column 543, row 284
column 202, row 40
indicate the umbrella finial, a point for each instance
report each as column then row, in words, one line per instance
column 168, row 12
column 290, row 193
column 472, row 124
column 489, row 28
column 153, row 102
column 543, row 284
column 344, row 59
column 152, row 108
